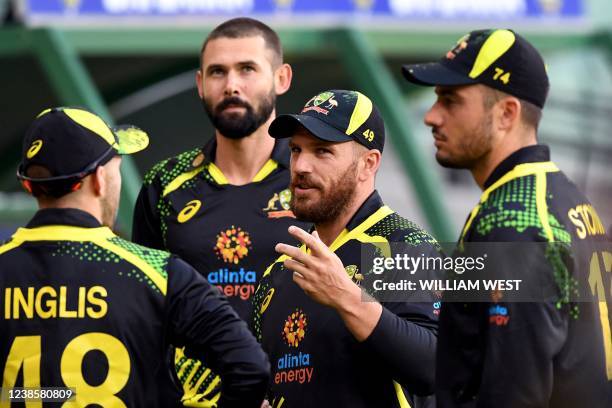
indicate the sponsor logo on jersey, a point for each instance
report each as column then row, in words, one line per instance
column 234, row 282
column 498, row 315
column 190, row 209
column 266, row 301
column 436, row 308
column 296, row 366
column 233, row 245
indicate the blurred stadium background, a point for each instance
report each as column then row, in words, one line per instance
column 134, row 61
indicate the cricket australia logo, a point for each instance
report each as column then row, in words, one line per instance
column 322, row 103
column 279, row 205
column 353, row 272
column 460, row 46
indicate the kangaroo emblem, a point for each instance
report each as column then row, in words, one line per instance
column 272, row 203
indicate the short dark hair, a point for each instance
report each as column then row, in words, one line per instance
column 530, row 113
column 242, row 27
column 49, row 190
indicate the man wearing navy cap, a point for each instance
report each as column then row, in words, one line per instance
column 85, row 310
column 329, row 345
column 555, row 352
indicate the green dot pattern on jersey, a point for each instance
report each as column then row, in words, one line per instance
column 513, row 205
column 191, row 365
column 169, row 169
column 258, row 299
column 85, row 251
column 155, row 258
column 166, row 171
column 392, row 223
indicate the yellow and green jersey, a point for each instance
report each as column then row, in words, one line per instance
column 85, row 309
column 316, row 361
column 227, row 232
column 556, row 351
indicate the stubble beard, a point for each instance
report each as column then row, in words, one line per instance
column 333, row 201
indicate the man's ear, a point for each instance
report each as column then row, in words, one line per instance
column 282, row 78
column 199, row 83
column 98, row 181
column 371, row 163
column 509, row 113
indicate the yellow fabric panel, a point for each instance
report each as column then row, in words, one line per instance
column 494, row 47
column 265, row 171
column 361, row 113
column 401, row 398
column 217, row 174
column 180, row 179
column 521, row 170
column 92, row 122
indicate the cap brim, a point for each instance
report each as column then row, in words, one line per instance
column 286, row 125
column 130, row 139
column 434, row 73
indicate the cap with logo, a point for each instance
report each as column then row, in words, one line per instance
column 498, row 58
column 336, row 116
column 71, row 143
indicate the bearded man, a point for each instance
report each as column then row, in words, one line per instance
column 222, row 207
column 330, row 345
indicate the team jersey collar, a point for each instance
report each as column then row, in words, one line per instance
column 63, row 216
column 529, row 154
column 280, row 152
column 369, row 207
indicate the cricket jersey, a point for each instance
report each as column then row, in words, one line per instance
column 316, row 361
column 226, row 232
column 85, row 309
column 555, row 352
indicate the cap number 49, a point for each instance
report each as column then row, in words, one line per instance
column 369, row 135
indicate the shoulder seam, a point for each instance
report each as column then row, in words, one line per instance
column 160, row 281
column 175, row 165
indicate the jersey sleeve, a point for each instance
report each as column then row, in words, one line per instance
column 201, row 320
column 146, row 226
column 405, row 338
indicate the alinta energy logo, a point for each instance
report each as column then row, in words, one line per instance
column 498, row 315
column 294, row 367
column 295, row 328
column 233, row 245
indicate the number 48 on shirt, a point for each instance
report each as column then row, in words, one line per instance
column 26, row 354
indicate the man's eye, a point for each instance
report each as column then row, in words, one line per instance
column 295, row 150
column 445, row 100
column 322, row 150
column 248, row 68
